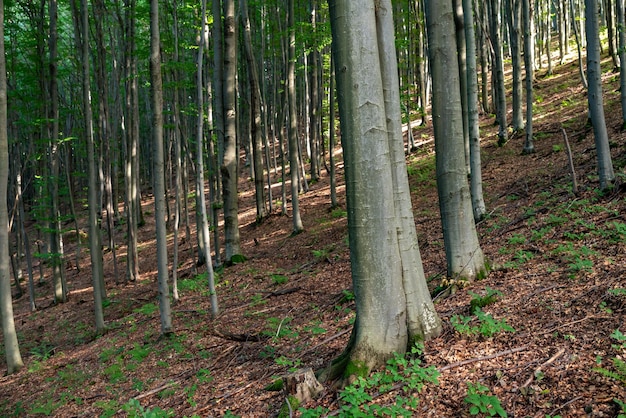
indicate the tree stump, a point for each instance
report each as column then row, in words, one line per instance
column 303, row 385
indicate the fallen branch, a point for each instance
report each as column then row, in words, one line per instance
column 570, row 160
column 538, row 369
column 489, row 357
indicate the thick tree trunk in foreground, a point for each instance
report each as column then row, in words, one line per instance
column 11, row 346
column 394, row 308
column 463, row 253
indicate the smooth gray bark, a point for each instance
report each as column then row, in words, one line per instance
column 159, row 169
column 498, row 70
column 527, row 13
column 393, row 305
column 229, row 162
column 9, row 334
column 465, row 260
column 204, row 222
column 95, row 244
column 476, row 178
column 514, row 24
column 621, row 47
column 293, row 128
column 594, row 96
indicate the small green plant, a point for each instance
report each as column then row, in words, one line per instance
column 278, row 279
column 481, row 402
column 279, row 328
column 147, row 309
column 338, row 213
column 618, row 371
column 292, row 365
column 478, row 301
column 135, row 410
column 487, row 325
column 402, row 372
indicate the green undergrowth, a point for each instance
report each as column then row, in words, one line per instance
column 403, row 373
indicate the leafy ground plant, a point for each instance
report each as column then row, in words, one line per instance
column 481, row 402
column 403, row 372
column 487, row 325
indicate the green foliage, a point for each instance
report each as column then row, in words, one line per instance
column 481, row 402
column 403, row 372
column 139, row 353
column 135, row 410
column 478, row 301
column 279, row 279
column 197, row 283
column 279, row 328
column 338, row 213
column 147, row 309
column 487, row 325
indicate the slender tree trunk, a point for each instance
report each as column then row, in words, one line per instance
column 56, row 244
column 229, row 163
column 464, row 256
column 514, row 22
column 476, row 182
column 255, row 108
column 204, row 223
column 527, row 8
column 9, row 334
column 159, row 169
column 95, row 246
column 594, row 96
column 498, row 71
column 621, row 30
column 579, row 42
column 293, row 129
column 218, row 115
column 331, row 134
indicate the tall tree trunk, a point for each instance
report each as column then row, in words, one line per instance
column 256, row 104
column 514, row 22
column 594, row 96
column 476, row 181
column 394, row 309
column 293, row 118
column 204, row 223
column 464, row 256
column 11, row 345
column 621, row 29
column 229, row 163
column 218, row 115
column 95, row 246
column 579, row 42
column 56, row 244
column 331, row 135
column 498, row 70
column 527, row 8
column 159, row 169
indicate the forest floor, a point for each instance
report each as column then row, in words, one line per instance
column 558, row 281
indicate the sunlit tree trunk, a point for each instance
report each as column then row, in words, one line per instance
column 229, row 162
column 476, row 181
column 9, row 334
column 527, row 14
column 293, row 129
column 159, row 169
column 465, row 260
column 594, row 96
column 394, row 309
column 95, row 245
column 255, row 106
column 204, row 223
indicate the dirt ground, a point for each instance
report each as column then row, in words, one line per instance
column 558, row 269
